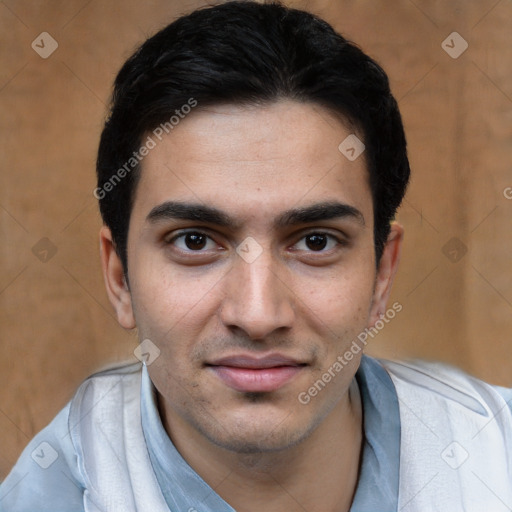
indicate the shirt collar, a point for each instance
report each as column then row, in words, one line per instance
column 377, row 488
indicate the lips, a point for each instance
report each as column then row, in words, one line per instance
column 246, row 373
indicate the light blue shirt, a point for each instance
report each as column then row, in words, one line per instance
column 46, row 477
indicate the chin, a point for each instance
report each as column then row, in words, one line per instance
column 264, row 433
column 254, row 444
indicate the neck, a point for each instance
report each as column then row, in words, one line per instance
column 319, row 474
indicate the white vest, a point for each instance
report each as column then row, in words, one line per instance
column 455, row 454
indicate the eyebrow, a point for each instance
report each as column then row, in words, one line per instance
column 171, row 210
column 318, row 212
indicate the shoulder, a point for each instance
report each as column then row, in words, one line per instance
column 455, row 434
column 112, row 380
column 48, row 475
column 101, row 398
column 114, row 373
column 445, row 382
column 443, row 399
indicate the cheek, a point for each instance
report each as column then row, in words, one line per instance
column 349, row 306
column 342, row 299
column 166, row 299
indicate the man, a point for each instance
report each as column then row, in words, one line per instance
column 248, row 176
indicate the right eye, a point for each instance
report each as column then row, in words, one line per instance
column 194, row 241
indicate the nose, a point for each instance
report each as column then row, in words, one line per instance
column 256, row 299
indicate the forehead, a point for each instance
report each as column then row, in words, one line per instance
column 240, row 159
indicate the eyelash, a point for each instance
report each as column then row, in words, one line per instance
column 183, row 234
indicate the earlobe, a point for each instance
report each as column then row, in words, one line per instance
column 388, row 266
column 115, row 282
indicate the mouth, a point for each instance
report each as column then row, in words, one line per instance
column 249, row 374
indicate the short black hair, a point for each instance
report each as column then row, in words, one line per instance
column 247, row 53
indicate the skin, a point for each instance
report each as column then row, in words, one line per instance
column 198, row 303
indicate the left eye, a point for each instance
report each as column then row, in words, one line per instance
column 316, row 242
column 193, row 241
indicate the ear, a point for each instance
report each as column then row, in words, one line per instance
column 115, row 282
column 386, row 272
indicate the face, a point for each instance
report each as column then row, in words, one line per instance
column 251, row 267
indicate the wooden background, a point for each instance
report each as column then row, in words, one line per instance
column 455, row 283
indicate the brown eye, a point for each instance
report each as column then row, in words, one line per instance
column 316, row 242
column 192, row 241
column 195, row 241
